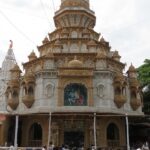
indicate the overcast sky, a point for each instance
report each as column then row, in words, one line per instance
column 124, row 23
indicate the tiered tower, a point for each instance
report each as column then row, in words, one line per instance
column 7, row 64
column 75, row 78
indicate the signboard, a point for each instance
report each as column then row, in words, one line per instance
column 2, row 117
column 75, row 95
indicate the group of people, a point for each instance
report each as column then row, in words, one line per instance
column 66, row 147
column 145, row 146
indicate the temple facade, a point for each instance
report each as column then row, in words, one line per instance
column 75, row 92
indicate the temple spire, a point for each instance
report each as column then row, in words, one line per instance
column 77, row 13
column 8, row 62
column 10, row 54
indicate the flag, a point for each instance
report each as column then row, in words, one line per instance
column 11, row 44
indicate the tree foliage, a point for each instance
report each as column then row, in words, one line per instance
column 144, row 73
column 144, row 78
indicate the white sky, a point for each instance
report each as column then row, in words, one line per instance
column 124, row 23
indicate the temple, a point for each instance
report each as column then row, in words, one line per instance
column 75, row 93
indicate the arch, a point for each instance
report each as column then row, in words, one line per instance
column 15, row 94
column 133, row 95
column 117, row 90
column 49, row 90
column 74, row 47
column 30, row 91
column 35, row 135
column 75, row 95
column 83, row 48
column 24, row 90
column 112, row 135
column 74, row 34
column 100, row 90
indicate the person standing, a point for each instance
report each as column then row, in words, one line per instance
column 44, row 148
column 145, row 146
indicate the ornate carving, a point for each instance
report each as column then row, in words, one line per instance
column 49, row 90
column 135, row 103
column 13, row 103
column 119, row 100
column 28, row 100
column 73, row 3
column 100, row 90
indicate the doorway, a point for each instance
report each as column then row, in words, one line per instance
column 74, row 139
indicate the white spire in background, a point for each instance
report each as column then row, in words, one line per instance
column 8, row 63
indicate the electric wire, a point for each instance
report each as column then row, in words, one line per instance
column 15, row 27
column 44, row 10
column 22, row 12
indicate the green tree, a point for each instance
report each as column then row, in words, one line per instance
column 144, row 78
column 144, row 73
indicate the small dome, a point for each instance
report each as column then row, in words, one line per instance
column 32, row 56
column 45, row 40
column 75, row 63
column 116, row 54
column 102, row 40
column 132, row 68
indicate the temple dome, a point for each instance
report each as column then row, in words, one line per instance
column 75, row 63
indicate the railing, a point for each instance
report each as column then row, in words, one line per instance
column 113, row 148
column 35, row 143
column 40, row 148
column 21, row 148
column 113, row 143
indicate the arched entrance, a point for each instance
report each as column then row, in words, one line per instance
column 112, row 135
column 11, row 135
column 74, row 133
column 35, row 135
column 11, row 132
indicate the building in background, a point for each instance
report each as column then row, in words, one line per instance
column 75, row 92
column 8, row 63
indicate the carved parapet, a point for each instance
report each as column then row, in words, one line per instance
column 29, row 78
column 13, row 103
column 28, row 100
column 135, row 103
column 14, row 83
column 133, row 83
column 119, row 100
column 119, row 78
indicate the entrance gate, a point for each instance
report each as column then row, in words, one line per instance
column 74, row 139
column 74, row 133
